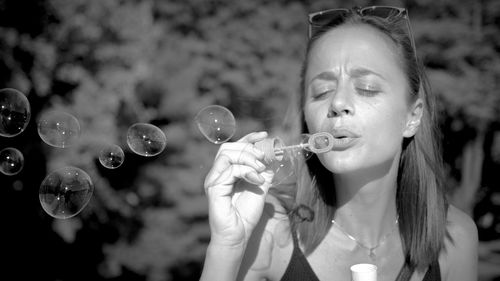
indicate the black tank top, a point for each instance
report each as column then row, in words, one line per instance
column 299, row 269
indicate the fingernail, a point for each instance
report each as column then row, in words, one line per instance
column 261, row 166
column 255, row 178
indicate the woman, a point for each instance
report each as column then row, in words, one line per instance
column 376, row 197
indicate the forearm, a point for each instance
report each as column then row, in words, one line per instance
column 222, row 263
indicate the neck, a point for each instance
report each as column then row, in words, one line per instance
column 366, row 202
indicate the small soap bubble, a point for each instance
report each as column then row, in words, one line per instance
column 58, row 129
column 284, row 169
column 15, row 112
column 11, row 161
column 146, row 139
column 304, row 141
column 216, row 123
column 111, row 156
column 65, row 192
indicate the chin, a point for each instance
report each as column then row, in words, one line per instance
column 356, row 162
column 339, row 163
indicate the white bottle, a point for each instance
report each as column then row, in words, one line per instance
column 364, row 272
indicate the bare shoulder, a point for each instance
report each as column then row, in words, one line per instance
column 461, row 227
column 269, row 244
column 459, row 258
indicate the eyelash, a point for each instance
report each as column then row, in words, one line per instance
column 360, row 91
column 321, row 94
column 366, row 92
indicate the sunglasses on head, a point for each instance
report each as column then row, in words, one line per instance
column 332, row 17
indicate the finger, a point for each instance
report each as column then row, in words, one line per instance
column 236, row 146
column 254, row 178
column 223, row 185
column 226, row 172
column 227, row 158
column 253, row 137
column 235, row 153
column 268, row 176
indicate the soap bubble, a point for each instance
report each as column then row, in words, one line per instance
column 146, row 139
column 284, row 170
column 111, row 156
column 58, row 129
column 304, row 150
column 216, row 123
column 65, row 192
column 11, row 161
column 15, row 112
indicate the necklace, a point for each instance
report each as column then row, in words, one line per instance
column 371, row 250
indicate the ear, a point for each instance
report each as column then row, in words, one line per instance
column 413, row 119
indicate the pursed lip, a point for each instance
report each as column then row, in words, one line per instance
column 344, row 133
column 343, row 138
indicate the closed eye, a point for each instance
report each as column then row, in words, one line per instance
column 320, row 95
column 367, row 92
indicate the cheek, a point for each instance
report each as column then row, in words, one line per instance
column 314, row 116
column 386, row 127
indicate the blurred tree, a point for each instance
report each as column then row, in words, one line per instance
column 465, row 75
column 114, row 63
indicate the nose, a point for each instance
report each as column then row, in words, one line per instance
column 341, row 103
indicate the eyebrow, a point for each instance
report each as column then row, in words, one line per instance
column 361, row 71
column 355, row 72
column 327, row 75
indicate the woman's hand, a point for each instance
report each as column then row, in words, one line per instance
column 234, row 210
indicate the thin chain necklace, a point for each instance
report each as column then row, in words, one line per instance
column 371, row 250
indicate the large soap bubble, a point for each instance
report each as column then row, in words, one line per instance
column 58, row 129
column 146, row 139
column 15, row 112
column 11, row 161
column 65, row 192
column 216, row 123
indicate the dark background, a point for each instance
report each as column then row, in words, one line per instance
column 112, row 63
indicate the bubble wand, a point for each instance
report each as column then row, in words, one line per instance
column 275, row 150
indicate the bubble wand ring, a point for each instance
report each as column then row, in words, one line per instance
column 313, row 141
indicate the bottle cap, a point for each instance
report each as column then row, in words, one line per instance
column 364, row 272
column 269, row 147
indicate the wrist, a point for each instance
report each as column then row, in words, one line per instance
column 218, row 245
column 231, row 242
column 222, row 261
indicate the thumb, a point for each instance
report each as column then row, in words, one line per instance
column 268, row 176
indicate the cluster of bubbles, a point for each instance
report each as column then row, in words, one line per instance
column 65, row 192
column 15, row 113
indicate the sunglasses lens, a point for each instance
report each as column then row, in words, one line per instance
column 381, row 12
column 329, row 18
column 326, row 19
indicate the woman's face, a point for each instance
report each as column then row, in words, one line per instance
column 356, row 90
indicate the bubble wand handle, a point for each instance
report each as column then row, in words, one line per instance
column 271, row 148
